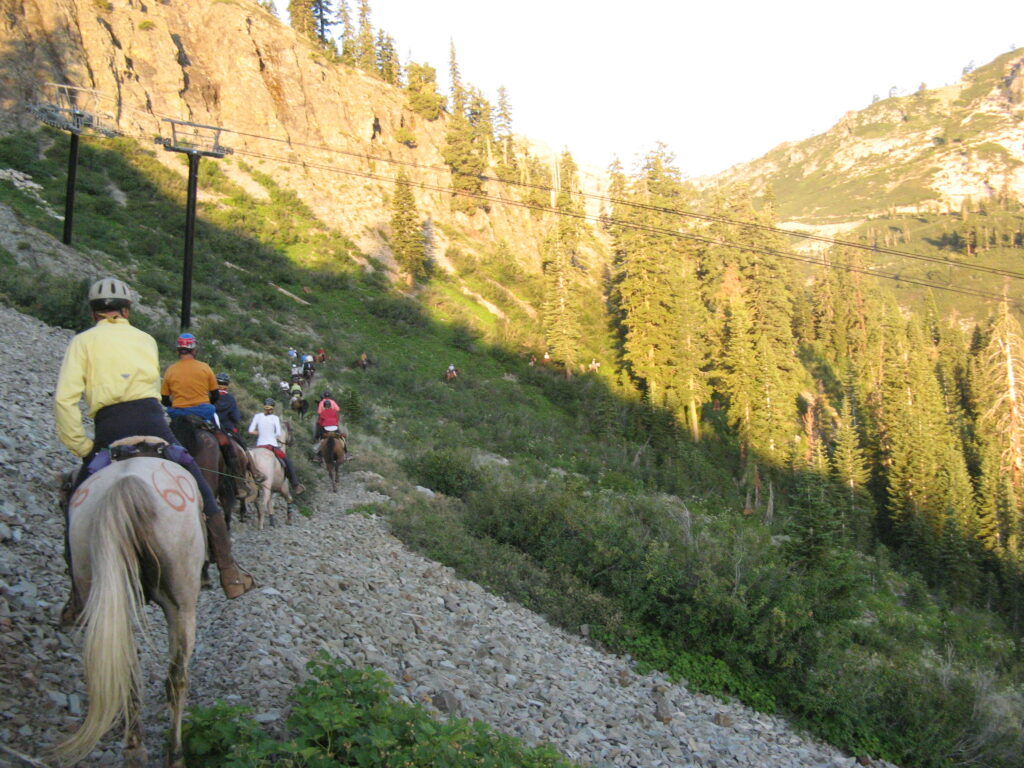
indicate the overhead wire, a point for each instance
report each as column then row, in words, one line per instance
column 876, row 249
column 977, row 293
column 873, row 248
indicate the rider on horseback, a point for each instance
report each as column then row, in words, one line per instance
column 189, row 385
column 324, row 403
column 116, row 368
column 228, row 413
column 267, row 428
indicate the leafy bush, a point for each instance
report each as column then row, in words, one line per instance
column 447, row 471
column 397, row 310
column 60, row 301
column 344, row 717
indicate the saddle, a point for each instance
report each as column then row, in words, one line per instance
column 185, row 426
column 134, row 447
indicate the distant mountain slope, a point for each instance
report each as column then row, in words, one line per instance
column 928, row 152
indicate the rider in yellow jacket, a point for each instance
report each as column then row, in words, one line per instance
column 116, row 368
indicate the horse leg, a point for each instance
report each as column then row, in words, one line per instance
column 181, row 625
column 135, row 754
column 204, row 576
column 264, row 508
column 290, row 505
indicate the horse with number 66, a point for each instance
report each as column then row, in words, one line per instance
column 136, row 534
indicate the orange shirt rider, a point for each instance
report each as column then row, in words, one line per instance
column 189, row 385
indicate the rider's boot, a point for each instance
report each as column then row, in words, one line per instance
column 235, row 581
column 297, row 488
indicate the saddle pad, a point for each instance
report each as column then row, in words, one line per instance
column 137, row 439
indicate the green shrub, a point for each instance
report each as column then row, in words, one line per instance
column 404, row 136
column 448, row 471
column 344, row 717
column 396, row 310
column 463, row 338
column 60, row 301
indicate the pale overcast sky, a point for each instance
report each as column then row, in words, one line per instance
column 719, row 83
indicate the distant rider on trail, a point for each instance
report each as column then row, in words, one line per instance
column 267, row 428
column 324, row 402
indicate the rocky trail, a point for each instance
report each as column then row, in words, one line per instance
column 339, row 582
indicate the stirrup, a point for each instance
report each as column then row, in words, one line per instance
column 236, row 581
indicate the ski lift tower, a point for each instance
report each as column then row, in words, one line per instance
column 196, row 141
column 76, row 110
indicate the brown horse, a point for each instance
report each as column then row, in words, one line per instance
column 244, row 475
column 299, row 404
column 136, row 533
column 449, row 376
column 333, row 453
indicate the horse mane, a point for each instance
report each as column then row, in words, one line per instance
column 185, row 430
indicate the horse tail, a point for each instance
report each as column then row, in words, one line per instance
column 112, row 609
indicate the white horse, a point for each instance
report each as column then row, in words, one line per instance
column 274, row 479
column 136, row 534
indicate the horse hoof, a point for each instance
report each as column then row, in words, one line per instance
column 272, row 523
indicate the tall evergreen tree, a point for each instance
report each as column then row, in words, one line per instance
column 503, row 131
column 562, row 294
column 998, row 392
column 343, row 18
column 322, row 20
column 740, row 264
column 455, row 79
column 658, row 306
column 365, row 52
column 408, row 242
column 300, row 15
column 388, row 66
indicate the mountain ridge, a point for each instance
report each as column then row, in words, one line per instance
column 925, row 152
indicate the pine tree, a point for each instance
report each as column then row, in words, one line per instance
column 421, row 87
column 348, row 34
column 850, row 468
column 737, row 370
column 300, row 15
column 998, row 394
column 455, row 79
column 739, row 263
column 322, row 20
column 407, row 238
column 927, row 474
column 387, row 67
column 561, row 273
column 503, row 132
column 659, row 312
column 365, row 51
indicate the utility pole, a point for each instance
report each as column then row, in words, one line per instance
column 73, row 109
column 196, row 141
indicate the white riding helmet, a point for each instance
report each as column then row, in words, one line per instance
column 110, row 289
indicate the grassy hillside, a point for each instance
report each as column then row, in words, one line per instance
column 569, row 495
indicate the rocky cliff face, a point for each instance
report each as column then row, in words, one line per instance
column 230, row 63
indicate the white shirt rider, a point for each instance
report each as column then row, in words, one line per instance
column 267, row 427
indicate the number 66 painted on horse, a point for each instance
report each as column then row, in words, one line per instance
column 136, row 534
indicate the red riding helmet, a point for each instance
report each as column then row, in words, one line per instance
column 186, row 342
